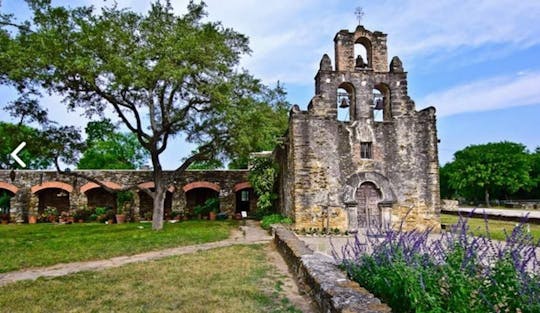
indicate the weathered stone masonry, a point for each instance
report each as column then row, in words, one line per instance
column 362, row 171
column 28, row 188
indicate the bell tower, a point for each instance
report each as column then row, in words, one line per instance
column 361, row 155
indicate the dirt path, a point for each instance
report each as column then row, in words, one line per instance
column 290, row 287
column 251, row 233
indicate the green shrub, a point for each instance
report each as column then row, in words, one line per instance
column 262, row 177
column 274, row 219
column 210, row 205
column 457, row 272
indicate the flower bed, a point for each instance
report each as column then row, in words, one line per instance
column 454, row 272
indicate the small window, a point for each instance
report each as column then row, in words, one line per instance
column 365, row 150
column 244, row 196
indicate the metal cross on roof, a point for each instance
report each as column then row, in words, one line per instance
column 359, row 12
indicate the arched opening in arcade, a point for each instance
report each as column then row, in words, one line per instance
column 146, row 205
column 5, row 206
column 201, row 195
column 245, row 198
column 99, row 197
column 54, row 198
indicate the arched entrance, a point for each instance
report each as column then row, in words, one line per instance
column 245, row 198
column 367, row 198
column 53, row 197
column 5, row 199
column 146, row 204
column 99, row 197
column 197, row 193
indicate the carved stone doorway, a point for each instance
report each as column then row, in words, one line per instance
column 367, row 198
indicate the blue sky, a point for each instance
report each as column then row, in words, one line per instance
column 477, row 62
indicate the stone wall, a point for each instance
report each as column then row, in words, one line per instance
column 29, row 185
column 329, row 288
column 321, row 160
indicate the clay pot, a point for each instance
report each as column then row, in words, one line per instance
column 120, row 218
column 32, row 219
column 5, row 222
column 213, row 216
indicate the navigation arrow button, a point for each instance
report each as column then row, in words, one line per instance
column 16, row 151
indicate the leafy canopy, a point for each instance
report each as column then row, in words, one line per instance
column 490, row 167
column 108, row 149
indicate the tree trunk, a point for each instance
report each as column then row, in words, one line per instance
column 159, row 204
column 160, row 192
column 487, row 198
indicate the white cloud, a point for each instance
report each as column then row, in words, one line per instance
column 485, row 95
column 288, row 38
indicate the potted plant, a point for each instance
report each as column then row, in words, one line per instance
column 123, row 203
column 148, row 216
column 50, row 214
column 4, row 207
column 175, row 215
column 99, row 215
column 32, row 219
column 78, row 215
column 66, row 217
column 4, row 216
column 208, row 209
column 109, row 216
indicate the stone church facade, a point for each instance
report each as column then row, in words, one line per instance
column 361, row 155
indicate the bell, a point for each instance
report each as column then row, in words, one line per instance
column 344, row 103
column 379, row 104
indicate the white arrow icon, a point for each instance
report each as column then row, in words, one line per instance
column 16, row 151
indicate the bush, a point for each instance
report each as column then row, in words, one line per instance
column 210, row 205
column 455, row 273
column 262, row 177
column 274, row 219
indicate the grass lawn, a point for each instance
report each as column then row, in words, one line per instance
column 233, row 279
column 496, row 228
column 36, row 245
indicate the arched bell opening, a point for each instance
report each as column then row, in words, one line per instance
column 381, row 105
column 345, row 102
column 362, row 53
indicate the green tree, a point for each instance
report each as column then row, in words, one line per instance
column 490, row 167
column 161, row 74
column 263, row 176
column 35, row 154
column 256, row 121
column 108, row 149
column 447, row 192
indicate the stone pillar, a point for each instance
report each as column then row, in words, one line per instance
column 226, row 201
column 136, row 204
column 77, row 200
column 18, row 204
column 179, row 201
column 352, row 211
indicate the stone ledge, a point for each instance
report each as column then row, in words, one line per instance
column 322, row 280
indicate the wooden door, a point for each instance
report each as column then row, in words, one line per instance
column 368, row 197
